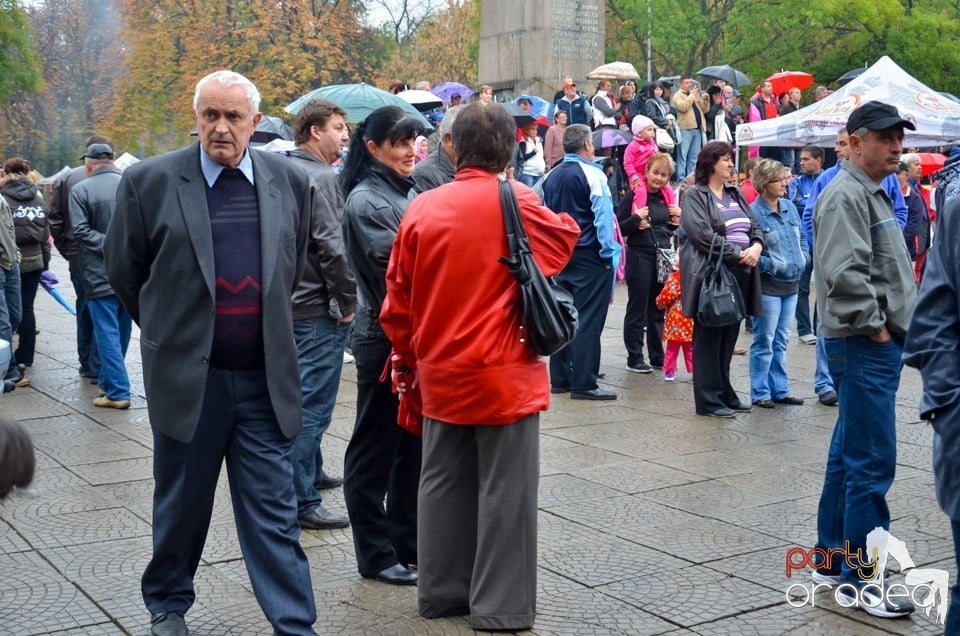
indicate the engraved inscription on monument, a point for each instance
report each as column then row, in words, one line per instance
column 576, row 30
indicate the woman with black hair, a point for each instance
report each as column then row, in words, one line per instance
column 712, row 211
column 382, row 459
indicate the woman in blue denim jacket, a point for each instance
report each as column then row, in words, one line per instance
column 781, row 265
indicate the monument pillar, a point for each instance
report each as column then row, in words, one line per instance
column 529, row 46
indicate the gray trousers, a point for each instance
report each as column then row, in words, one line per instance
column 477, row 523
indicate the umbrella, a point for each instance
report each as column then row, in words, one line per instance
column 614, row 71
column 359, row 100
column 727, row 73
column 849, row 75
column 610, row 137
column 447, row 89
column 271, row 128
column 785, row 80
column 520, row 116
column 277, row 146
column 669, row 79
column 930, row 162
column 423, row 101
column 48, row 280
column 540, row 105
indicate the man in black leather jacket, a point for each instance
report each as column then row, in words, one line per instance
column 323, row 305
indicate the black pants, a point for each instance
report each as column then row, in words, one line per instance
column 382, row 461
column 590, row 279
column 712, row 352
column 642, row 292
column 28, row 319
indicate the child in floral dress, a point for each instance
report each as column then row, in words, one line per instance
column 677, row 328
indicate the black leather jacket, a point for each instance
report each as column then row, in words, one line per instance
column 371, row 217
column 92, row 204
column 327, row 287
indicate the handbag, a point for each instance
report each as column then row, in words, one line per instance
column 665, row 256
column 720, row 303
column 549, row 317
column 31, row 263
column 665, row 140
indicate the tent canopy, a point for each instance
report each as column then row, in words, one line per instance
column 936, row 117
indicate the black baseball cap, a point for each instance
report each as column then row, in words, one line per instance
column 98, row 151
column 877, row 116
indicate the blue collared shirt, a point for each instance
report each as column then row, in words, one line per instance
column 211, row 169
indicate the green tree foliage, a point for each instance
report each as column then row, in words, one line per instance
column 760, row 37
column 19, row 64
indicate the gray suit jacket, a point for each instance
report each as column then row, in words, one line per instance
column 159, row 258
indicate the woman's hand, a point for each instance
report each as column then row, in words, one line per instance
column 674, row 215
column 751, row 256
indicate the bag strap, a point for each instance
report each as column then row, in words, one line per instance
column 717, row 242
column 517, row 242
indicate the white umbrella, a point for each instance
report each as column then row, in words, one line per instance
column 937, row 118
column 421, row 100
column 614, row 71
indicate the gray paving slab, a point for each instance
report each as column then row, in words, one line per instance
column 652, row 520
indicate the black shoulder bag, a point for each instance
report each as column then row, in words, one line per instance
column 720, row 303
column 549, row 315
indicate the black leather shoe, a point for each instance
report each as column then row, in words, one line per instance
column 740, row 407
column 559, row 389
column 168, row 624
column 322, row 519
column 327, row 482
column 396, row 575
column 793, row 401
column 829, row 398
column 765, row 404
column 722, row 412
column 593, row 394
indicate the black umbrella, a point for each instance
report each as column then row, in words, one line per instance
column 849, row 75
column 727, row 73
column 271, row 128
column 520, row 116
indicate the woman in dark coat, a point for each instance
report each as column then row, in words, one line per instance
column 711, row 208
column 382, row 460
column 33, row 239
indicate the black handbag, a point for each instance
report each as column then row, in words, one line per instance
column 720, row 303
column 549, row 315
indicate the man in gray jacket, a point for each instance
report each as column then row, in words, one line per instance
column 323, row 305
column 91, row 206
column 440, row 166
column 865, row 297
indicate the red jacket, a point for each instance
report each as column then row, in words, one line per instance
column 452, row 309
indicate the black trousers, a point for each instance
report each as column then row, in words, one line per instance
column 642, row 292
column 382, row 462
column 712, row 353
column 590, row 279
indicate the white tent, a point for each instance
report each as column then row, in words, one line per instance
column 937, row 118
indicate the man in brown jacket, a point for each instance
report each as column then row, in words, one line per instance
column 690, row 107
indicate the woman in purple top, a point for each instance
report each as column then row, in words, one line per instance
column 712, row 208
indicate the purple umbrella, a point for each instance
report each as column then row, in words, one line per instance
column 610, row 137
column 49, row 282
column 445, row 90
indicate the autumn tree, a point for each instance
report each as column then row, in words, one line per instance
column 445, row 48
column 19, row 64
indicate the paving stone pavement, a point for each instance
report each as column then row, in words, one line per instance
column 652, row 520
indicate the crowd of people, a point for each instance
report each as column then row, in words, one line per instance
column 366, row 236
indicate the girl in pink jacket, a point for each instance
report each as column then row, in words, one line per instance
column 635, row 159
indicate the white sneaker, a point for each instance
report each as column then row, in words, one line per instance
column 872, row 603
column 829, row 579
column 808, row 339
column 348, row 357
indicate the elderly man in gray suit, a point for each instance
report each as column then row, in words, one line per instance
column 205, row 249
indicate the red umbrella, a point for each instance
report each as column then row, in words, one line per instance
column 930, row 162
column 785, row 80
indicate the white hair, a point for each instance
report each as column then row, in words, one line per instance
column 449, row 117
column 909, row 158
column 230, row 78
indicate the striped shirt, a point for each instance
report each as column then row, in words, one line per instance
column 735, row 219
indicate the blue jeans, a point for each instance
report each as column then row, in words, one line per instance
column 822, row 382
column 690, row 143
column 86, row 343
column 111, row 327
column 528, row 179
column 320, row 344
column 768, row 352
column 863, row 451
column 10, row 307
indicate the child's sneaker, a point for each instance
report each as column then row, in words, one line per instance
column 669, row 377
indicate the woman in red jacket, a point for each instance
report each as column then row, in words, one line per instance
column 452, row 313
